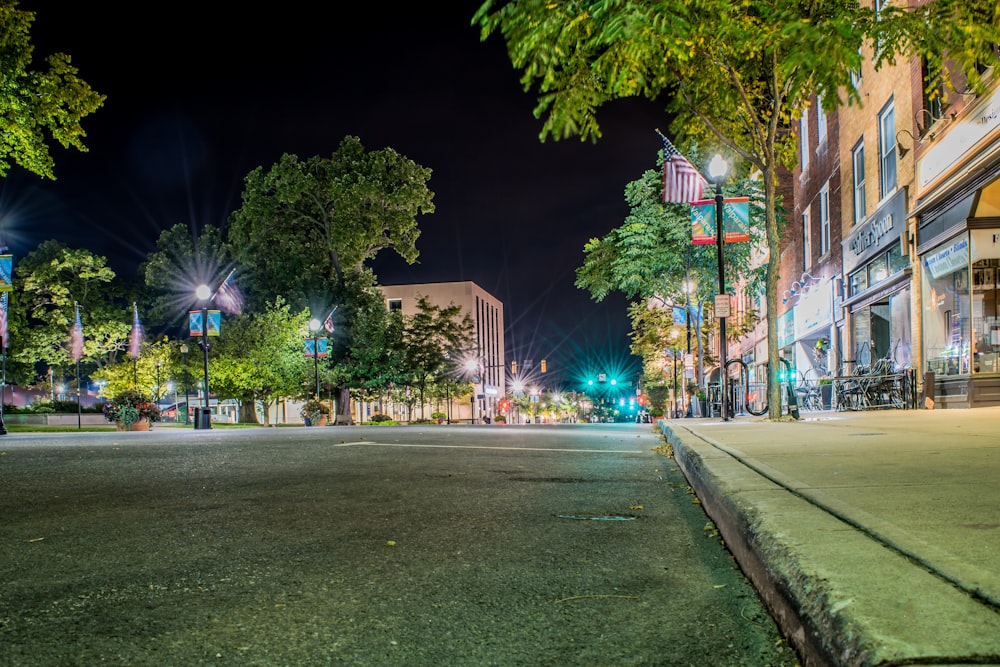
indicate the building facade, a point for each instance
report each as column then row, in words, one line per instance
column 486, row 313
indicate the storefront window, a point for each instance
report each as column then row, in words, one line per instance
column 985, row 320
column 946, row 303
column 859, row 281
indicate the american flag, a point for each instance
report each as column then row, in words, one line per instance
column 228, row 296
column 682, row 184
column 135, row 336
column 3, row 318
column 328, row 322
column 76, row 337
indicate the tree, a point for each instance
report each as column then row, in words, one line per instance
column 37, row 104
column 181, row 261
column 433, row 337
column 259, row 357
column 373, row 357
column 54, row 279
column 328, row 216
column 738, row 73
column 650, row 257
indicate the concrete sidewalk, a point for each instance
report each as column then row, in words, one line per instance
column 873, row 537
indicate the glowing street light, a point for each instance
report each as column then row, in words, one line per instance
column 315, row 325
column 717, row 170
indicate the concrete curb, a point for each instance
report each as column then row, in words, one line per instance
column 839, row 596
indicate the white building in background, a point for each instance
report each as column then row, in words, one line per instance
column 486, row 313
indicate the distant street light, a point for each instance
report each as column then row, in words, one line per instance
column 187, row 399
column 315, row 326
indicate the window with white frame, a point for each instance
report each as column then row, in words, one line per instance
column 824, row 219
column 804, row 140
column 887, row 150
column 806, row 242
column 820, row 120
column 859, row 182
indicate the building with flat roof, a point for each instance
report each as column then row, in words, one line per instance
column 486, row 312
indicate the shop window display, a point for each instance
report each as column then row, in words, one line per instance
column 947, row 309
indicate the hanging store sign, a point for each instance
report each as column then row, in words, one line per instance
column 958, row 143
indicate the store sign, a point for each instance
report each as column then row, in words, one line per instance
column 959, row 141
column 948, row 259
column 878, row 233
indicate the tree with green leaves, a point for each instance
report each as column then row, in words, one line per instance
column 650, row 257
column 434, row 338
column 148, row 374
column 38, row 105
column 328, row 216
column 259, row 357
column 183, row 259
column 735, row 74
column 52, row 280
column 370, row 353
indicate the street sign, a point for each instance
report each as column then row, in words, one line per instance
column 722, row 305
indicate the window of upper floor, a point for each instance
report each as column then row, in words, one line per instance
column 804, row 140
column 824, row 219
column 858, row 179
column 887, row 150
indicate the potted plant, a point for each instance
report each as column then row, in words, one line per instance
column 439, row 416
column 130, row 410
column 314, row 413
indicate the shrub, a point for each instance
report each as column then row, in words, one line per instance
column 313, row 410
column 376, row 418
column 129, row 407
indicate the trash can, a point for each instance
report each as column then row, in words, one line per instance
column 202, row 418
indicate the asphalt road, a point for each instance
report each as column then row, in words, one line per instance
column 438, row 545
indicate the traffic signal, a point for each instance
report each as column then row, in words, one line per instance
column 642, row 400
column 543, row 365
column 513, row 368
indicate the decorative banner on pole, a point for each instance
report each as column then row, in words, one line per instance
column 197, row 326
column 6, row 265
column 3, row 319
column 680, row 316
column 735, row 220
column 76, row 336
column 135, row 335
column 312, row 343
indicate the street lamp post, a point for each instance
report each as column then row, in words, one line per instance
column 717, row 170
column 187, row 399
column 159, row 365
column 204, row 294
column 315, row 325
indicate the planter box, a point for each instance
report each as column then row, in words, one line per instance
column 57, row 419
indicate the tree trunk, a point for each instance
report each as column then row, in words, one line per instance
column 771, row 293
column 248, row 412
column 343, row 406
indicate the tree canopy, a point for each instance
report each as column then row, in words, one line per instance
column 328, row 216
column 736, row 74
column 37, row 105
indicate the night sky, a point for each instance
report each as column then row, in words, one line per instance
column 197, row 99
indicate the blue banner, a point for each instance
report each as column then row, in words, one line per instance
column 196, row 322
column 735, row 220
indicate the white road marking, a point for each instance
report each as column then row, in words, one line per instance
column 516, row 449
